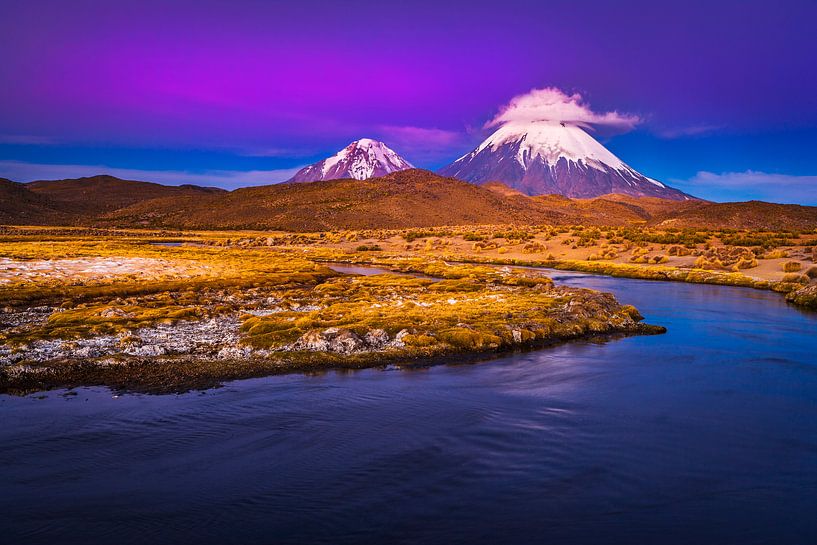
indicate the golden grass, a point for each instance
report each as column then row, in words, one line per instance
column 289, row 265
column 426, row 308
column 463, row 288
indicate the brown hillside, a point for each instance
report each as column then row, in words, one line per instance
column 742, row 215
column 20, row 206
column 654, row 206
column 598, row 211
column 411, row 198
column 101, row 194
column 606, row 210
column 502, row 189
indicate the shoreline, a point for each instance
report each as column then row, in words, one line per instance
column 657, row 273
column 163, row 377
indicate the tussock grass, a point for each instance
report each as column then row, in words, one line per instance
column 792, row 266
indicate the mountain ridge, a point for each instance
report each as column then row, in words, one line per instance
column 19, row 205
column 408, row 198
column 93, row 195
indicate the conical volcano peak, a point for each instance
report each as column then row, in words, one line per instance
column 362, row 159
column 552, row 140
column 552, row 157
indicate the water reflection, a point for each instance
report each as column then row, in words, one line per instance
column 707, row 434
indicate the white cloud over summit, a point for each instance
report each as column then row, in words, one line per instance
column 552, row 104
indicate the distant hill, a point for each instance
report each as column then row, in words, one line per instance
column 20, row 206
column 407, row 198
column 598, row 211
column 97, row 195
column 742, row 215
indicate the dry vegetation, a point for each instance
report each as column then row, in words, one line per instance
column 168, row 310
column 758, row 259
column 228, row 305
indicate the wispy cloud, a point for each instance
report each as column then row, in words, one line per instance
column 752, row 185
column 691, row 130
column 421, row 144
column 25, row 139
column 277, row 152
column 552, row 104
column 228, row 179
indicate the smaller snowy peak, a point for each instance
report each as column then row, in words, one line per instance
column 360, row 160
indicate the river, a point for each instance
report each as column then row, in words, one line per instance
column 707, row 434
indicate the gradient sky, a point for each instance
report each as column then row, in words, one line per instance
column 233, row 93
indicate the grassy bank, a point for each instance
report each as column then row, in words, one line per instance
column 130, row 314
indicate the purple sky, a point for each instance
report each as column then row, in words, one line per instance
column 238, row 92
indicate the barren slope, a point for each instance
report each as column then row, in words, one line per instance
column 100, row 194
column 411, row 198
column 20, row 206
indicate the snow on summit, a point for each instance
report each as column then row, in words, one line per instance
column 542, row 147
column 547, row 157
column 551, row 141
column 362, row 159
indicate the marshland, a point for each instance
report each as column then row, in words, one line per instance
column 164, row 311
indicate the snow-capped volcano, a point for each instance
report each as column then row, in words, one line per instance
column 362, row 159
column 545, row 157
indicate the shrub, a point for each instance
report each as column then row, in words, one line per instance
column 796, row 278
column 708, row 263
column 467, row 339
column 791, row 266
column 678, row 251
column 776, row 254
column 534, row 247
column 763, row 240
column 686, row 237
column 369, row 248
column 484, row 245
column 745, row 263
column 411, row 236
column 419, row 340
column 516, row 234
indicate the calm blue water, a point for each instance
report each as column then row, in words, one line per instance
column 707, row 434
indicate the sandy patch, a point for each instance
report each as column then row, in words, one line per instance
column 90, row 268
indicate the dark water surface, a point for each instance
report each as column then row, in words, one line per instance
column 707, row 434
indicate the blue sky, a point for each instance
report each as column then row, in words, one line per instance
column 245, row 92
